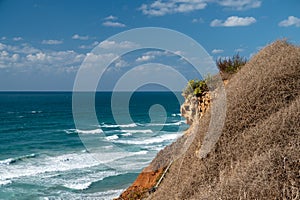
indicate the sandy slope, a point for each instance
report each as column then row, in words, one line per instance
column 258, row 153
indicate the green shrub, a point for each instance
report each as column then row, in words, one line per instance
column 227, row 66
column 195, row 87
column 231, row 65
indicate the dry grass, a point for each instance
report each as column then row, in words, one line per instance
column 258, row 153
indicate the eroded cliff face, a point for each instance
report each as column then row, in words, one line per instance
column 142, row 186
column 194, row 107
column 257, row 154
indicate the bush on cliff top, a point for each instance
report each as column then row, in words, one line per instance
column 227, row 67
column 195, row 88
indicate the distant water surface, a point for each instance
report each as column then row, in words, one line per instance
column 42, row 156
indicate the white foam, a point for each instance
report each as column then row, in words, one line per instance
column 45, row 166
column 5, row 182
column 112, row 137
column 48, row 164
column 95, row 131
column 69, row 131
column 6, row 161
column 175, row 114
column 78, row 186
column 110, row 194
column 126, row 134
column 140, row 152
column 155, row 147
column 153, row 140
column 13, row 160
column 129, row 132
column 76, row 180
column 167, row 124
column 35, row 111
column 137, row 131
column 119, row 125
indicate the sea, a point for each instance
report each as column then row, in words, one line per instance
column 43, row 155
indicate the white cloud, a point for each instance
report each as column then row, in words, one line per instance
column 93, row 59
column 154, row 54
column 199, row 20
column 113, row 24
column 109, row 44
column 90, row 46
column 52, row 42
column 111, row 17
column 36, row 57
column 56, row 61
column 239, row 50
column 240, row 4
column 23, row 48
column 17, row 38
column 217, row 51
column 291, row 21
column 80, row 37
column 7, row 59
column 161, row 8
column 3, row 38
column 233, row 21
column 24, row 57
column 144, row 58
column 121, row 63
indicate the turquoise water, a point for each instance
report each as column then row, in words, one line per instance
column 42, row 155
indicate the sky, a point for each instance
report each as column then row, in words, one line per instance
column 44, row 42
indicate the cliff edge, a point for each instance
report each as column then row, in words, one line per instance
column 258, row 153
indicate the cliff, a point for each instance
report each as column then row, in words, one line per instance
column 258, row 153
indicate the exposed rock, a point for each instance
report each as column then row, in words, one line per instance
column 146, row 180
column 194, row 107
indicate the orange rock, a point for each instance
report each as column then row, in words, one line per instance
column 145, row 181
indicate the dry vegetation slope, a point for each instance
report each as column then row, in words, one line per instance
column 258, row 153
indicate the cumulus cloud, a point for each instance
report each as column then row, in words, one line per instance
column 109, row 44
column 161, row 8
column 89, row 46
column 23, row 48
column 155, row 54
column 290, row 21
column 17, row 38
column 80, row 37
column 24, row 57
column 113, row 24
column 52, row 42
column 111, row 17
column 144, row 58
column 199, row 20
column 233, row 21
column 7, row 59
column 217, row 51
column 240, row 4
column 121, row 63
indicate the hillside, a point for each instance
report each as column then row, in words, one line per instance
column 258, row 153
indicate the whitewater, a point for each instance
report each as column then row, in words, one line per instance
column 43, row 156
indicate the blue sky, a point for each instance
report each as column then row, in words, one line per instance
column 43, row 43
